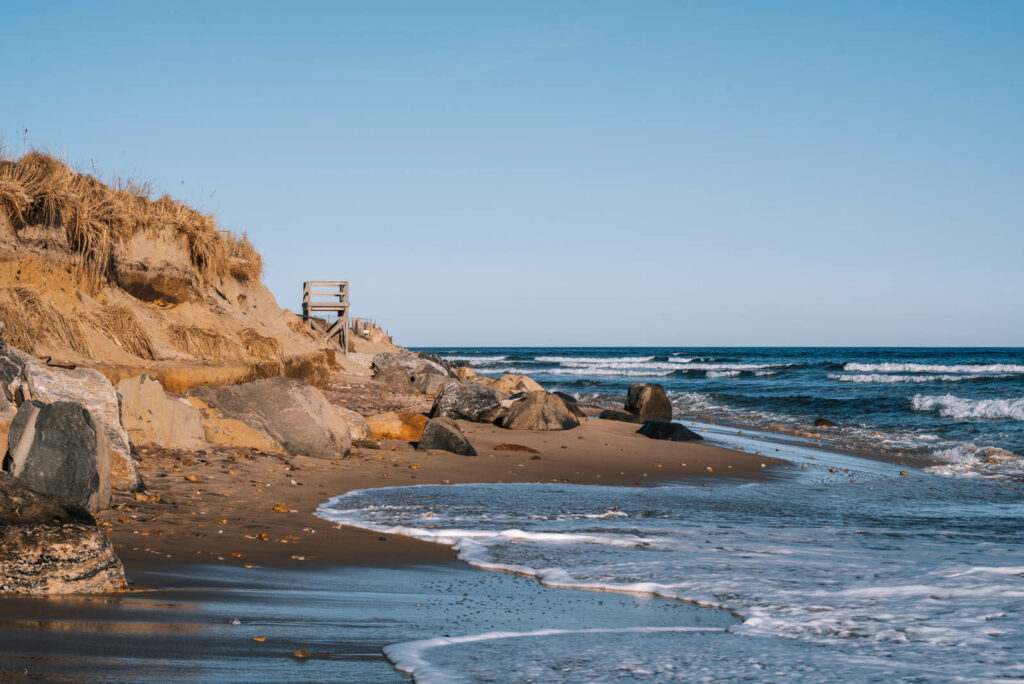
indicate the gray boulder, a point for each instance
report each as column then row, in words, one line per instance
column 539, row 411
column 429, row 382
column 291, row 412
column 152, row 418
column 673, row 432
column 648, row 401
column 411, row 362
column 445, row 435
column 466, row 401
column 609, row 414
column 20, row 505
column 57, row 450
column 395, row 376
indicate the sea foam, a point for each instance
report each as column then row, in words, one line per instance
column 961, row 408
column 933, row 368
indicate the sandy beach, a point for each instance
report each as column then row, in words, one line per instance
column 233, row 532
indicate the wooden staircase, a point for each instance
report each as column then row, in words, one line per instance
column 328, row 296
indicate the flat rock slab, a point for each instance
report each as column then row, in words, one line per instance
column 58, row 559
column 296, row 415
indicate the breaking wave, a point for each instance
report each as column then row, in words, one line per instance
column 933, row 368
column 884, row 378
column 952, row 406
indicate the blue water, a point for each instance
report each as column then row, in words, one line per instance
column 964, row 407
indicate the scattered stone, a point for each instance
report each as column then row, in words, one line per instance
column 57, row 450
column 904, row 473
column 403, row 425
column 539, row 411
column 673, row 432
column 649, row 401
column 444, row 435
column 294, row 414
column 280, row 508
column 192, row 477
column 300, row 653
column 466, row 401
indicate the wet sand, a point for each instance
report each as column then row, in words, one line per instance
column 230, row 533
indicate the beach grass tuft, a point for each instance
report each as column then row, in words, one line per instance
column 30, row 320
column 97, row 218
column 121, row 325
column 260, row 346
column 208, row 345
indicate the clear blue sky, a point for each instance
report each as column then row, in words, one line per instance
column 572, row 173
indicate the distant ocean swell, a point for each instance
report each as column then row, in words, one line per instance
column 894, row 401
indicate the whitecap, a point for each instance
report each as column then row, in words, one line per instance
column 933, row 368
column 962, row 408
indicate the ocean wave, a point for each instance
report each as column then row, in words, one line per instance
column 933, row 368
column 952, row 406
column 885, row 378
column 478, row 359
column 968, row 460
column 723, row 374
column 593, row 359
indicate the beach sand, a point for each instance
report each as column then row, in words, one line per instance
column 231, row 531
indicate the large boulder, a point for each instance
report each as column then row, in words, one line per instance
column 429, row 382
column 571, row 403
column 514, row 384
column 219, row 431
column 358, row 428
column 648, row 401
column 539, row 411
column 57, row 450
column 673, row 432
column 296, row 415
column 396, row 376
column 466, row 401
column 407, row 360
column 444, row 435
column 151, row 418
column 91, row 389
column 402, row 425
column 49, row 546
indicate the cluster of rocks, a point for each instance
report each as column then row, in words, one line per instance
column 513, row 402
column 648, row 404
column 68, row 436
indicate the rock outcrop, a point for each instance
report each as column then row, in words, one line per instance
column 151, row 418
column 294, row 414
column 444, row 435
column 648, row 401
column 402, row 425
column 539, row 411
column 466, row 401
column 49, row 546
column 396, row 376
column 673, row 432
column 57, row 450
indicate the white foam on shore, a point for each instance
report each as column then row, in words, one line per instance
column 411, row 659
column 968, row 460
column 885, row 378
column 962, row 408
column 933, row 368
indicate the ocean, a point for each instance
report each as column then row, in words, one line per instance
column 891, row 548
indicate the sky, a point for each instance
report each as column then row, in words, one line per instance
column 571, row 173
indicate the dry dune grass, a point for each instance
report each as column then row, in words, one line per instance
column 204, row 344
column 40, row 189
column 120, row 325
column 260, row 346
column 30, row 319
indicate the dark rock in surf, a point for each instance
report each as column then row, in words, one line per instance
column 673, row 432
column 821, row 422
column 648, row 401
